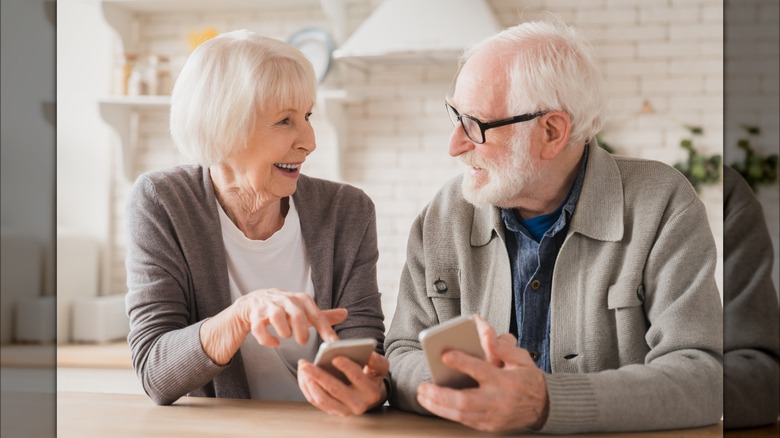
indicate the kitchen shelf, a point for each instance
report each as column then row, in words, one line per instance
column 27, row 356
column 122, row 114
column 198, row 5
column 120, row 14
column 137, row 101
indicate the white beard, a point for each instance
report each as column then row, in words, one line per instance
column 505, row 179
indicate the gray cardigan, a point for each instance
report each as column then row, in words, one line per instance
column 177, row 275
column 636, row 329
column 751, row 336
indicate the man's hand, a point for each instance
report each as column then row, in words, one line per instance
column 323, row 390
column 512, row 392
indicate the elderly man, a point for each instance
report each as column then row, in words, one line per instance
column 597, row 271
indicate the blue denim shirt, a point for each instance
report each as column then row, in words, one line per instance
column 532, row 262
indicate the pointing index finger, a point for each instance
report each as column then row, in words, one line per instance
column 319, row 320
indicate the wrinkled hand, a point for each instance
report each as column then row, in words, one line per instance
column 330, row 394
column 290, row 314
column 512, row 392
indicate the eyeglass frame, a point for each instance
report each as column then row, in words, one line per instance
column 484, row 126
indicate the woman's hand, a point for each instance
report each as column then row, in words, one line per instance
column 289, row 313
column 366, row 390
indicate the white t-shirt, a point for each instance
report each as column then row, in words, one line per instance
column 278, row 262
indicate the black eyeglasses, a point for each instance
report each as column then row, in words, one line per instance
column 475, row 129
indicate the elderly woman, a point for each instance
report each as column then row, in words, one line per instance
column 239, row 266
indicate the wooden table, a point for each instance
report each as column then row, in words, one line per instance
column 113, row 355
column 116, row 415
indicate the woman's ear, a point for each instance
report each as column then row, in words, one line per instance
column 555, row 128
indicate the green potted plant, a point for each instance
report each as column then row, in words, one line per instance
column 698, row 168
column 754, row 168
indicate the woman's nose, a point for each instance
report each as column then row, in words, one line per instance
column 307, row 140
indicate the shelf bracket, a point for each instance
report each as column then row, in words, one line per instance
column 124, row 121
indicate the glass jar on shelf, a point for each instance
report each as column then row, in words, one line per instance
column 138, row 83
column 122, row 71
column 159, row 75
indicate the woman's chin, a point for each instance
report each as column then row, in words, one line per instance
column 287, row 189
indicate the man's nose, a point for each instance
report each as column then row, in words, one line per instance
column 459, row 141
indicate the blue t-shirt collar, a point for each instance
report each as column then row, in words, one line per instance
column 550, row 223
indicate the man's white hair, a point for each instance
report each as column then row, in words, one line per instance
column 550, row 67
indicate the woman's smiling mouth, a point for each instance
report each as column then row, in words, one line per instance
column 289, row 168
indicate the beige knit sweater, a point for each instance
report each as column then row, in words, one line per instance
column 636, row 329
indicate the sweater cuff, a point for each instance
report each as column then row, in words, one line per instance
column 572, row 404
column 194, row 368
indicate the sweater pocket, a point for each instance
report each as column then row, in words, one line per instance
column 443, row 289
column 625, row 300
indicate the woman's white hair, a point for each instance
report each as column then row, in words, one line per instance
column 226, row 83
column 550, row 67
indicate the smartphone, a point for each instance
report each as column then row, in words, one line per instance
column 357, row 350
column 456, row 334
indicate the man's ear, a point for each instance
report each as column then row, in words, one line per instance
column 553, row 130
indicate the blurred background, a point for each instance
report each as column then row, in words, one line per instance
column 380, row 122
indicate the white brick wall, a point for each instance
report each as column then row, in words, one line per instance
column 395, row 144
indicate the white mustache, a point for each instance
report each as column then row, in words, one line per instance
column 471, row 160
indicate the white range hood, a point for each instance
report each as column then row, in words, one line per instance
column 419, row 30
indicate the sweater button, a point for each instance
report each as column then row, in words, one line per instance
column 440, row 286
column 535, row 284
column 534, row 355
